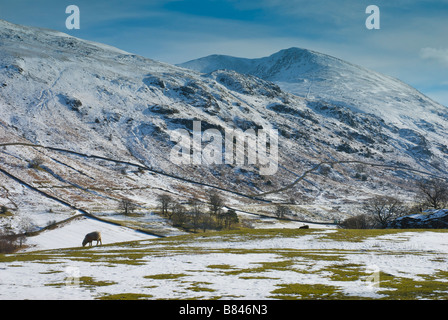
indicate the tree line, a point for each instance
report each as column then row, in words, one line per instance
column 196, row 215
column 380, row 211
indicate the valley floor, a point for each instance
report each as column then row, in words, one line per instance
column 244, row 264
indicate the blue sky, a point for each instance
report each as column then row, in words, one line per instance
column 411, row 45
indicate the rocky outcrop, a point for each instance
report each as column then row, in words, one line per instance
column 430, row 219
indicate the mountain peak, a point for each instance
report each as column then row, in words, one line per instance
column 246, row 65
column 318, row 76
column 286, row 65
column 292, row 51
column 296, row 55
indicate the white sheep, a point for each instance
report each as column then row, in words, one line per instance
column 92, row 236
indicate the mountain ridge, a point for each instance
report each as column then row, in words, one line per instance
column 318, row 76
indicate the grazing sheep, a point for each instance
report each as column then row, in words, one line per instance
column 92, row 236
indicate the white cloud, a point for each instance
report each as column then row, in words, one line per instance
column 439, row 55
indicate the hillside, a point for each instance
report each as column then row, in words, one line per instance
column 84, row 125
column 317, row 76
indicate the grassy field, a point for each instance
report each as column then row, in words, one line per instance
column 241, row 264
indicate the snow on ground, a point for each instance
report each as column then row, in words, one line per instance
column 269, row 224
column 234, row 266
column 72, row 234
column 263, row 222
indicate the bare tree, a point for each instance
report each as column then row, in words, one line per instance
column 179, row 215
column 281, row 210
column 216, row 203
column 383, row 209
column 433, row 193
column 165, row 202
column 10, row 242
column 195, row 212
column 126, row 206
column 206, row 221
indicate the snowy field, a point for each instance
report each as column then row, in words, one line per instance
column 72, row 234
column 263, row 222
column 249, row 264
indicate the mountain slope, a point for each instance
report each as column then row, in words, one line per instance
column 335, row 88
column 318, row 76
column 90, row 125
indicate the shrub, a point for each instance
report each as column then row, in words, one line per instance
column 360, row 221
column 36, row 163
column 10, row 243
column 127, row 207
column 230, row 217
column 179, row 215
column 281, row 211
column 433, row 193
column 383, row 209
column 165, row 202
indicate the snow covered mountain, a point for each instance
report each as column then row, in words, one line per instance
column 318, row 76
column 338, row 89
column 84, row 125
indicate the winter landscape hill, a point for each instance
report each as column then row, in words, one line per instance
column 84, row 125
column 318, row 76
column 347, row 92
